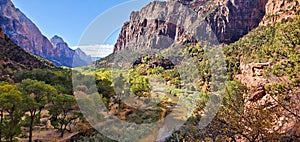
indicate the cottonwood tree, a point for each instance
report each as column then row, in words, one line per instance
column 10, row 112
column 36, row 95
column 63, row 113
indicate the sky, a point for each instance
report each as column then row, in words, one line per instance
column 81, row 23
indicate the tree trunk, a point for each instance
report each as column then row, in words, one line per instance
column 11, row 138
column 31, row 125
column 1, row 121
column 30, row 129
column 40, row 111
column 63, row 131
column 10, row 131
column 62, row 128
column 11, row 117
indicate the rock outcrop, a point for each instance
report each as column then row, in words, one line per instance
column 25, row 34
column 160, row 24
column 251, row 77
column 254, row 77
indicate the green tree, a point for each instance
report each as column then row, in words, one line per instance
column 121, row 87
column 139, row 85
column 63, row 112
column 10, row 100
column 105, row 88
column 59, row 78
column 36, row 95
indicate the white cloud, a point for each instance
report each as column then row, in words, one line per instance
column 96, row 50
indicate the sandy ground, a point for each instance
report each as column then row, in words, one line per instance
column 48, row 136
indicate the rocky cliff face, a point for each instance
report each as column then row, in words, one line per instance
column 25, row 33
column 155, row 26
column 161, row 23
column 278, row 10
column 235, row 18
column 22, row 31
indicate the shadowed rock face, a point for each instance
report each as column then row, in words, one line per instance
column 13, row 58
column 159, row 24
column 25, row 34
column 13, row 54
column 236, row 18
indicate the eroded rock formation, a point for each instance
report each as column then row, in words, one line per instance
column 160, row 24
column 278, row 10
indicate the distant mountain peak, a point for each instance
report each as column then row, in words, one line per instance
column 79, row 50
column 57, row 39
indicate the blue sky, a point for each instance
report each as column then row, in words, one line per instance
column 70, row 19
